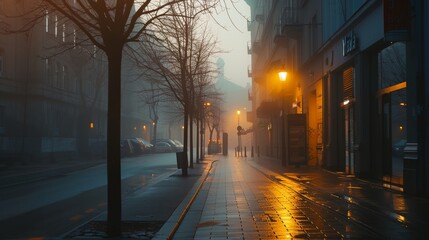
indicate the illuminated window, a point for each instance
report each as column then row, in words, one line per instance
column 56, row 26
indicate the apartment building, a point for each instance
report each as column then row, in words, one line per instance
column 53, row 88
column 356, row 74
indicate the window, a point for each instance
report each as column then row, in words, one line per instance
column 56, row 26
column 348, row 83
column 47, row 21
column 57, row 74
column 63, row 77
column 392, row 65
column 74, row 38
column 64, row 32
column 47, row 71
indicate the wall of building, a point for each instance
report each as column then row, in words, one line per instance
column 351, row 71
column 53, row 100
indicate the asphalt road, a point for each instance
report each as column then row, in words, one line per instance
column 54, row 206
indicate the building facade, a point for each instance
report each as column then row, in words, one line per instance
column 53, row 103
column 356, row 74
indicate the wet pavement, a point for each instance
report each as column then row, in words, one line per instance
column 256, row 198
column 245, row 198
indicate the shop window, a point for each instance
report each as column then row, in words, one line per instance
column 392, row 65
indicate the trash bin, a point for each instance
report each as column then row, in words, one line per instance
column 179, row 159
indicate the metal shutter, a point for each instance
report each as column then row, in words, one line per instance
column 348, row 83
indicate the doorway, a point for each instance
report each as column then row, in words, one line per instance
column 349, row 140
column 394, row 137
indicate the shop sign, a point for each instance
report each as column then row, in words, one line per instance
column 349, row 43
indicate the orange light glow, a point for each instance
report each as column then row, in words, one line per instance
column 282, row 75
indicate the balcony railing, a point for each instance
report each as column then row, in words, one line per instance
column 290, row 24
column 256, row 47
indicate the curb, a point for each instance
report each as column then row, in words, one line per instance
column 170, row 227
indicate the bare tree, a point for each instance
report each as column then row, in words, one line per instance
column 109, row 25
column 178, row 52
column 152, row 96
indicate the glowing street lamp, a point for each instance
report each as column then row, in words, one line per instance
column 282, row 77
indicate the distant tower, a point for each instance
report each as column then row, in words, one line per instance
column 220, row 69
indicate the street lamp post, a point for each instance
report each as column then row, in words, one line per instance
column 282, row 76
column 239, row 128
column 203, row 129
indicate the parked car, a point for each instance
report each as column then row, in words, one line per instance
column 176, row 147
column 138, row 146
column 148, row 147
column 180, row 144
column 162, row 147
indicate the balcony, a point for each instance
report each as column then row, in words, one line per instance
column 290, row 26
column 249, row 72
column 259, row 18
column 256, row 47
column 249, row 95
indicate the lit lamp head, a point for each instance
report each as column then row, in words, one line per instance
column 238, row 112
column 282, row 75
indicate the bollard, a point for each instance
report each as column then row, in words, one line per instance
column 235, row 152
column 251, row 152
column 241, row 151
column 245, row 152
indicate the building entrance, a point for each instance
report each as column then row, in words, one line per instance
column 394, row 132
column 349, row 140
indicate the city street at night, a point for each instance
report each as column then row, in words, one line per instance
column 221, row 119
column 234, row 198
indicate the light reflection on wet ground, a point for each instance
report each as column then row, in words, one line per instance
column 244, row 203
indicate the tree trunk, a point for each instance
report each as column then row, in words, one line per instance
column 198, row 140
column 191, row 141
column 185, row 142
column 113, row 143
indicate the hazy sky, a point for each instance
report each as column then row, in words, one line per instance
column 233, row 41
